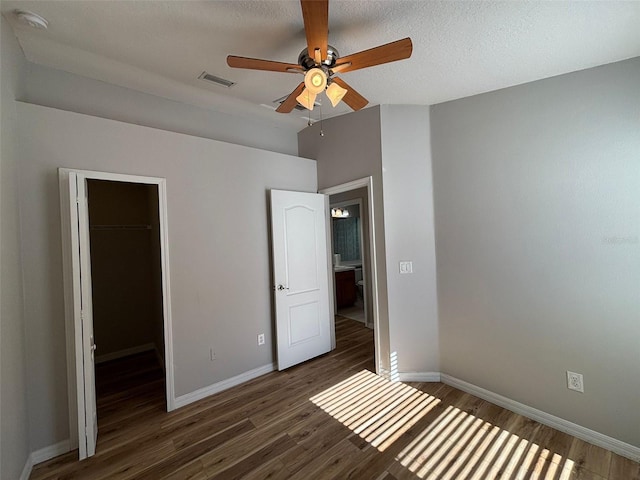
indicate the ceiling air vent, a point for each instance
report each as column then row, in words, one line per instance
column 217, row 80
column 278, row 101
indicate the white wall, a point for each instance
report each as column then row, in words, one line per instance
column 537, row 201
column 218, row 245
column 409, row 236
column 67, row 91
column 14, row 441
column 350, row 149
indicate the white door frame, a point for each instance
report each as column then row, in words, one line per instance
column 74, row 347
column 346, row 187
column 365, row 269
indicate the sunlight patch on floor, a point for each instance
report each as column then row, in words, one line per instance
column 455, row 445
column 458, row 445
column 377, row 410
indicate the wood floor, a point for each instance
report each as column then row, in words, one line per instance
column 328, row 418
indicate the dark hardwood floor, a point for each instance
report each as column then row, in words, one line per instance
column 327, row 418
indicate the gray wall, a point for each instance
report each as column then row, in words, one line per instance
column 14, row 441
column 392, row 144
column 67, row 91
column 409, row 236
column 537, row 201
column 350, row 149
column 218, row 246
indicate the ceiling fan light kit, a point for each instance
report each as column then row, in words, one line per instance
column 315, row 80
column 335, row 93
column 320, row 62
column 307, row 99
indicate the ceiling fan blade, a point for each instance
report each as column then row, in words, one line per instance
column 390, row 52
column 257, row 64
column 290, row 102
column 340, row 68
column 316, row 25
column 351, row 98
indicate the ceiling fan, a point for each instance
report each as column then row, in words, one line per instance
column 319, row 62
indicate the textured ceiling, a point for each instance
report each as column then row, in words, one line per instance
column 461, row 48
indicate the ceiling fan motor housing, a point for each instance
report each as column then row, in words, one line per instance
column 307, row 62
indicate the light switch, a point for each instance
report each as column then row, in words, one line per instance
column 406, row 267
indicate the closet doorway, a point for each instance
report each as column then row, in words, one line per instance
column 126, row 287
column 116, row 299
column 125, row 269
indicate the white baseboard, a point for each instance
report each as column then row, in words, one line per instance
column 26, row 471
column 583, row 433
column 42, row 455
column 419, row 376
column 188, row 398
column 60, row 448
column 47, row 453
column 125, row 353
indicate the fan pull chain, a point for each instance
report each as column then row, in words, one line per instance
column 309, row 123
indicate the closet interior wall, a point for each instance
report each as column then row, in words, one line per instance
column 125, row 268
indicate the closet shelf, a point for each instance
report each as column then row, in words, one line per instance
column 120, row 227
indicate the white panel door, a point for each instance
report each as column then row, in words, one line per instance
column 83, row 316
column 301, row 282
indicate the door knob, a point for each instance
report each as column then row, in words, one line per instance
column 94, row 347
column 282, row 287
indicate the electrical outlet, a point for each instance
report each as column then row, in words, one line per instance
column 406, row 267
column 575, row 381
column 260, row 339
column 212, row 354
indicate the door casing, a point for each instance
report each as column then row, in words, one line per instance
column 373, row 274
